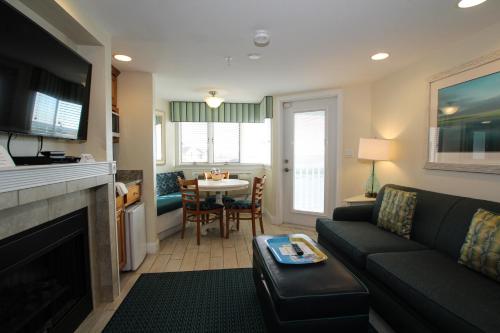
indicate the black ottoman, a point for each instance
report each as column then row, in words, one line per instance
column 323, row 297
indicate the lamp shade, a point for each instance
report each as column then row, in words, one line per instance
column 374, row 149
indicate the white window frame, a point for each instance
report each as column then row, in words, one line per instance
column 210, row 140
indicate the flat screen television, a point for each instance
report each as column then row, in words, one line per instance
column 44, row 85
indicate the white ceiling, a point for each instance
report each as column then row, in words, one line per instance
column 314, row 43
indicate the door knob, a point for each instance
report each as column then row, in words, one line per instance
column 286, row 169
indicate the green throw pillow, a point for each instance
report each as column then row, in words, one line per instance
column 481, row 249
column 396, row 211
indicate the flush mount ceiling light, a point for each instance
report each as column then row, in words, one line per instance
column 261, row 38
column 469, row 3
column 122, row 57
column 449, row 110
column 212, row 100
column 380, row 56
column 254, row 56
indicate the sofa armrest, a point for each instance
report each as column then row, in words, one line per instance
column 353, row 213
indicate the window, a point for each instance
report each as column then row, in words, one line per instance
column 194, row 142
column 226, row 142
column 256, row 143
column 159, row 138
column 248, row 143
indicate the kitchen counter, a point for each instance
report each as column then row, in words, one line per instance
column 129, row 177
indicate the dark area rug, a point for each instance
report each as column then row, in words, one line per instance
column 199, row 301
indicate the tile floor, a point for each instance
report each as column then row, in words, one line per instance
column 178, row 254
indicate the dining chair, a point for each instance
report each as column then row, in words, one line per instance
column 252, row 207
column 196, row 210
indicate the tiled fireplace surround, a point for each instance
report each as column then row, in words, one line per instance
column 33, row 195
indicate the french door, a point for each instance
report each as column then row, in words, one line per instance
column 309, row 160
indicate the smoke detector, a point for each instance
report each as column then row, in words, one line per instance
column 261, row 38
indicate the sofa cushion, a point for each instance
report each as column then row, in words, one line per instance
column 431, row 209
column 167, row 182
column 168, row 202
column 452, row 233
column 452, row 297
column 356, row 240
column 396, row 211
column 481, row 249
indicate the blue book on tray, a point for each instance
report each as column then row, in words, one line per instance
column 280, row 247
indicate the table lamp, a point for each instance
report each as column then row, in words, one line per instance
column 373, row 150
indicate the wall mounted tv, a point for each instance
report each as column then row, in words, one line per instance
column 44, row 85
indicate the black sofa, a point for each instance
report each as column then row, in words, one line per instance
column 417, row 285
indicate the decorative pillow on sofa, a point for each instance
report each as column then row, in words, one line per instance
column 396, row 211
column 166, row 183
column 481, row 249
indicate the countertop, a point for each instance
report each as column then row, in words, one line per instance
column 129, row 177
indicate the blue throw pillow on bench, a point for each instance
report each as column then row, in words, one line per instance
column 167, row 182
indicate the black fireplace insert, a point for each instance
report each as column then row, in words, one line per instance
column 45, row 277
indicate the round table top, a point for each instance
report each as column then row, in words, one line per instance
column 222, row 185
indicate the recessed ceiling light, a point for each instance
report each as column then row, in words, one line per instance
column 254, row 56
column 469, row 3
column 261, row 38
column 122, row 57
column 380, row 56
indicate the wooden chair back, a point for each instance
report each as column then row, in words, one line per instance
column 190, row 192
column 208, row 175
column 258, row 191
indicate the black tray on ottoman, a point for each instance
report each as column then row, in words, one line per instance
column 322, row 297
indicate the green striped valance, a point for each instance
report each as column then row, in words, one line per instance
column 225, row 113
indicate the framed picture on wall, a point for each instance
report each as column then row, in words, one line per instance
column 464, row 123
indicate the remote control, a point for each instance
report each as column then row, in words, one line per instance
column 297, row 249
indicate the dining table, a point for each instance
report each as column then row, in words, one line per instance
column 219, row 187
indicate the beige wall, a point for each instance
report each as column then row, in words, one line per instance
column 356, row 123
column 135, row 150
column 400, row 111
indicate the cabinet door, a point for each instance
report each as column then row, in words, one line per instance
column 121, row 232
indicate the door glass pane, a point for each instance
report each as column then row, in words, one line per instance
column 309, row 162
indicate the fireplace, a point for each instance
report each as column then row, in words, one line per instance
column 45, row 277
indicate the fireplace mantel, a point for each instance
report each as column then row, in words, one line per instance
column 33, row 195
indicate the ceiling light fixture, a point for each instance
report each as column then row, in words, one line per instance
column 212, row 100
column 449, row 109
column 380, row 56
column 469, row 3
column 261, row 38
column 254, row 56
column 122, row 57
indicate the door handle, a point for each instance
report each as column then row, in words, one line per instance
column 286, row 169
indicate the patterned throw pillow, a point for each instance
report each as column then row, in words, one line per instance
column 481, row 249
column 396, row 211
column 166, row 182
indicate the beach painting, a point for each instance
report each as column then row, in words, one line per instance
column 468, row 116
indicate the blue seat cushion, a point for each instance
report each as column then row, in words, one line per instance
column 226, row 200
column 168, row 202
column 204, row 205
column 166, row 182
column 242, row 204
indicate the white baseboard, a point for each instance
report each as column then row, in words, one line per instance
column 164, row 234
column 153, row 247
column 270, row 217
